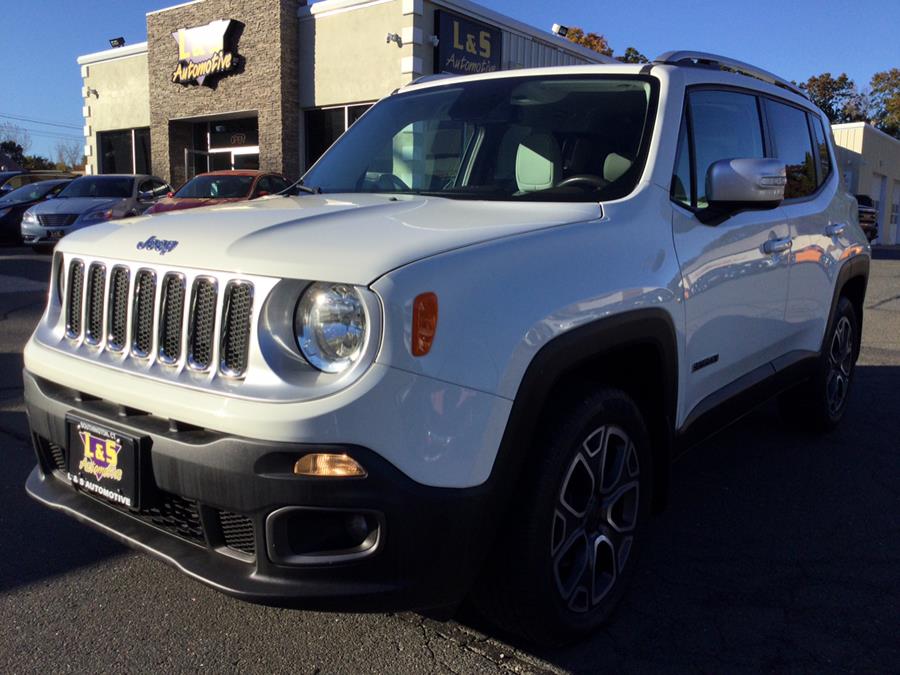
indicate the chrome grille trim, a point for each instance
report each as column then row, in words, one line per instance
column 74, row 299
column 117, row 321
column 202, row 323
column 235, row 338
column 171, row 318
column 93, row 304
column 143, row 313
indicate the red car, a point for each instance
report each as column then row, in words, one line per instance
column 219, row 187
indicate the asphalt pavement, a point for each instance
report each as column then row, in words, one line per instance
column 778, row 552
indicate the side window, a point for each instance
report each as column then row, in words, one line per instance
column 725, row 125
column 279, row 184
column 264, row 185
column 792, row 145
column 160, row 189
column 681, row 177
column 821, row 148
column 145, row 186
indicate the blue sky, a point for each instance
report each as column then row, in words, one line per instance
column 40, row 40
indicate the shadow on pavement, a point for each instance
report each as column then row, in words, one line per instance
column 779, row 550
column 37, row 543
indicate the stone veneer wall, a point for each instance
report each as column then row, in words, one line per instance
column 268, row 84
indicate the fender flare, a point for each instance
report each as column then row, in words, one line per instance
column 562, row 356
column 854, row 268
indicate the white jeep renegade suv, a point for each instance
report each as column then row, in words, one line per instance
column 457, row 364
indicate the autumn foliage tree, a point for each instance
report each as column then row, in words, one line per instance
column 590, row 40
column 838, row 97
column 884, row 98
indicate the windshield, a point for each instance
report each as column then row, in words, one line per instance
column 29, row 193
column 99, row 186
column 216, row 187
column 561, row 138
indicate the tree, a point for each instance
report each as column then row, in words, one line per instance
column 14, row 150
column 632, row 55
column 16, row 134
column 69, row 154
column 837, row 97
column 38, row 163
column 885, row 101
column 592, row 40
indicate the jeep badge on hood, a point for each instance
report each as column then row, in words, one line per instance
column 162, row 246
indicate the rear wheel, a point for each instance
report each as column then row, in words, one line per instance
column 820, row 403
column 570, row 547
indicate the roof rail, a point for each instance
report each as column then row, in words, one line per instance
column 682, row 58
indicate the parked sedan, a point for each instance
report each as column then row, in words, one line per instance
column 219, row 187
column 15, row 203
column 13, row 180
column 89, row 200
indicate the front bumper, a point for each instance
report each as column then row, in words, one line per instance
column 33, row 234
column 214, row 494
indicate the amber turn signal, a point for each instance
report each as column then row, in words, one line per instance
column 329, row 465
column 424, row 323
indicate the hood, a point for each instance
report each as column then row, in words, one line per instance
column 77, row 205
column 179, row 203
column 353, row 238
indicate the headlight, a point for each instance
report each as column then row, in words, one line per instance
column 29, row 218
column 97, row 216
column 331, row 327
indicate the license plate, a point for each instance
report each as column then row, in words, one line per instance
column 103, row 462
column 56, row 234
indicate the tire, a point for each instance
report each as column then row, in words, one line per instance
column 568, row 549
column 820, row 403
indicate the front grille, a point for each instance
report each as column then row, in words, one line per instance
column 118, row 308
column 57, row 219
column 95, row 292
column 236, row 330
column 176, row 515
column 203, row 323
column 237, row 531
column 75, row 299
column 144, row 294
column 98, row 300
column 172, row 311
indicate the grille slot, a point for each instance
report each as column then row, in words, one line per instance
column 96, row 282
column 144, row 297
column 117, row 337
column 73, row 305
column 57, row 219
column 202, row 323
column 236, row 328
column 176, row 515
column 237, row 531
column 171, row 319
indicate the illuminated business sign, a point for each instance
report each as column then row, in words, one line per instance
column 465, row 46
column 208, row 51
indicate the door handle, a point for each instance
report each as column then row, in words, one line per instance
column 835, row 230
column 777, row 246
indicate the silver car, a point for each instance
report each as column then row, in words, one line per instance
column 87, row 201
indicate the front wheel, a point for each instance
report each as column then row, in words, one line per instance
column 569, row 548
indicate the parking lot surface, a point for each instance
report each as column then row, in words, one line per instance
column 779, row 552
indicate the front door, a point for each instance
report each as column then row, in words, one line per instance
column 735, row 274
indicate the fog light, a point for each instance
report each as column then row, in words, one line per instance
column 328, row 465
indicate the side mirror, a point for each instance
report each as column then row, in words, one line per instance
column 261, row 193
column 735, row 185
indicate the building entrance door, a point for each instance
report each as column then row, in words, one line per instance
column 201, row 161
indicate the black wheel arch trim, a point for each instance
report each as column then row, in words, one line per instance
column 854, row 268
column 560, row 357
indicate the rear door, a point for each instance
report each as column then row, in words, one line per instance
column 735, row 274
column 819, row 214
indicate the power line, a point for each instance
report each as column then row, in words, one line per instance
column 36, row 121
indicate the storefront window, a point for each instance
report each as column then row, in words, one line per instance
column 325, row 125
column 124, row 151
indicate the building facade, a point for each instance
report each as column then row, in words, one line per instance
column 869, row 161
column 270, row 84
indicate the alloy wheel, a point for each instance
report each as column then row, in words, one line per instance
column 595, row 517
column 840, row 365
